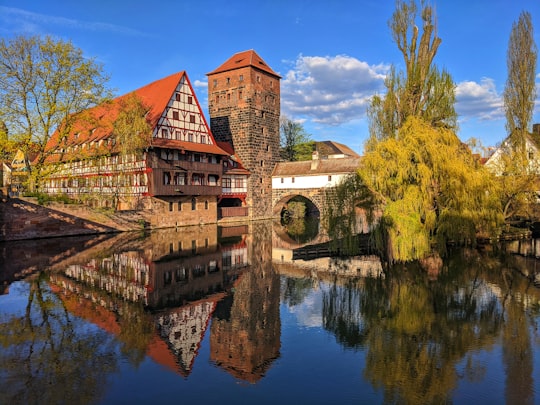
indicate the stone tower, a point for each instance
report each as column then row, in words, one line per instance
column 244, row 106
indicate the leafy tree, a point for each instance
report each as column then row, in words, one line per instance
column 422, row 90
column 130, row 128
column 517, row 170
column 7, row 147
column 426, row 183
column 292, row 136
column 520, row 89
column 43, row 84
column 432, row 190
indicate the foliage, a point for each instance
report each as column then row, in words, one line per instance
column 520, row 89
column 341, row 219
column 432, row 189
column 422, row 91
column 130, row 128
column 304, row 151
column 43, row 83
column 292, row 135
column 517, row 181
column 43, row 198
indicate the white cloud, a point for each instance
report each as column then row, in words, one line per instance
column 19, row 20
column 330, row 90
column 200, row 83
column 479, row 100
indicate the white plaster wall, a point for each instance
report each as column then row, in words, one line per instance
column 317, row 181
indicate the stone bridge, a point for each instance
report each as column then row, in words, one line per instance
column 280, row 198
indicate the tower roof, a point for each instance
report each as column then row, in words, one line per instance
column 244, row 59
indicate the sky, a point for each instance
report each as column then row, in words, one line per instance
column 332, row 56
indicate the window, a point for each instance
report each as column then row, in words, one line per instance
column 190, row 99
column 329, row 177
column 292, row 180
column 228, row 80
column 170, row 206
column 177, row 96
column 164, row 133
column 215, row 83
column 228, row 96
column 179, row 209
column 190, row 137
column 178, row 135
column 203, row 138
column 226, row 183
column 206, row 204
column 193, row 204
column 258, row 79
column 217, row 99
column 241, row 78
column 282, row 180
column 240, row 94
column 175, row 115
column 192, row 118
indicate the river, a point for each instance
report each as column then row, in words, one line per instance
column 214, row 315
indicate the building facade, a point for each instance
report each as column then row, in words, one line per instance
column 244, row 107
column 176, row 174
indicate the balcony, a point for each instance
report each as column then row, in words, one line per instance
column 191, row 189
column 228, row 212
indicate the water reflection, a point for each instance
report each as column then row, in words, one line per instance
column 93, row 303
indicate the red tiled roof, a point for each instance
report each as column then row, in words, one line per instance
column 96, row 123
column 191, row 146
column 240, row 169
column 244, row 59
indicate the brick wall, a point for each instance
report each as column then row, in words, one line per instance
column 246, row 113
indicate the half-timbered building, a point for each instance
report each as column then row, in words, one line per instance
column 177, row 171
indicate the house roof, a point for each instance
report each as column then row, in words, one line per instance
column 240, row 169
column 326, row 148
column 96, row 124
column 244, row 59
column 316, row 167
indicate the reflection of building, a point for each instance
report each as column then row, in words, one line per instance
column 183, row 329
column 246, row 327
column 182, row 275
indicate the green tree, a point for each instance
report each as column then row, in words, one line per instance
column 131, row 129
column 520, row 89
column 292, row 136
column 432, row 190
column 422, row 90
column 43, row 84
column 426, row 183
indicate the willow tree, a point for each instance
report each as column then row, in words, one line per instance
column 426, row 183
column 432, row 190
column 43, row 84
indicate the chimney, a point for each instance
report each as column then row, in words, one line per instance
column 314, row 160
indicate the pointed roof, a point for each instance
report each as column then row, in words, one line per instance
column 244, row 59
column 96, row 123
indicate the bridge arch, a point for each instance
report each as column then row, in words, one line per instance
column 313, row 205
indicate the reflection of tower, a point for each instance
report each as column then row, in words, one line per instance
column 245, row 331
column 244, row 106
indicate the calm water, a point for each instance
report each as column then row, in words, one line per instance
column 208, row 315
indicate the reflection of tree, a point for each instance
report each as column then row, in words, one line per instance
column 295, row 290
column 417, row 331
column 47, row 347
column 303, row 230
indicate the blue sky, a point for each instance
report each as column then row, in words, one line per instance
column 332, row 55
